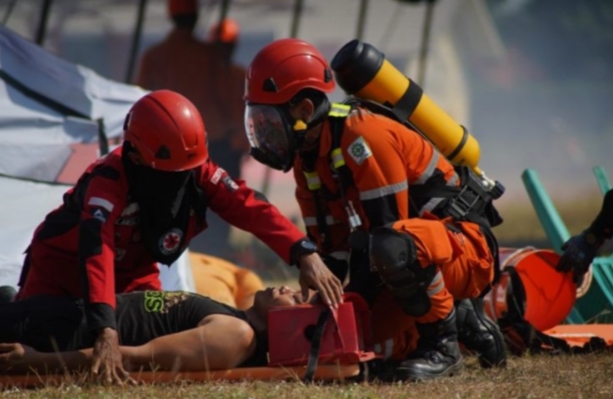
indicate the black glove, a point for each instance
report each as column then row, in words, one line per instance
column 579, row 252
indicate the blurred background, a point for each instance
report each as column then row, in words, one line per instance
column 531, row 79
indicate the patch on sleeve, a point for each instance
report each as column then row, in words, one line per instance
column 359, row 150
column 229, row 183
column 101, row 214
column 97, row 201
column 217, row 175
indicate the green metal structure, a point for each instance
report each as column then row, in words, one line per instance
column 595, row 304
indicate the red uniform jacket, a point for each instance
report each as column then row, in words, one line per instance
column 73, row 254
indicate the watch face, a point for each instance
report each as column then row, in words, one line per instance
column 309, row 246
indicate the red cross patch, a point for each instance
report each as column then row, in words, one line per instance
column 171, row 241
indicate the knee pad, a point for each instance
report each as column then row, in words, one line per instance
column 393, row 255
column 392, row 251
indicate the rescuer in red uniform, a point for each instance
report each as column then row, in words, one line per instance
column 139, row 206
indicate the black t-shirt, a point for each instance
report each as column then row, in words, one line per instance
column 143, row 316
column 50, row 323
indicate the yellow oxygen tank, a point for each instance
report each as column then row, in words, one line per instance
column 362, row 71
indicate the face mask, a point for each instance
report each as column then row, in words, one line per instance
column 164, row 202
column 271, row 136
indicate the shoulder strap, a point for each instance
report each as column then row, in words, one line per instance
column 337, row 116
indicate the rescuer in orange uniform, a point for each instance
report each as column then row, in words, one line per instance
column 202, row 72
column 374, row 196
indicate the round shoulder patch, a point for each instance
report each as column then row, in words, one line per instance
column 170, row 242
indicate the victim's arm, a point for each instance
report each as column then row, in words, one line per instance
column 219, row 342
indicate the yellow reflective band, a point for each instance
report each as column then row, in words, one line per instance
column 313, row 181
column 339, row 110
column 337, row 158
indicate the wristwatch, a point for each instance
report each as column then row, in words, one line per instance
column 301, row 248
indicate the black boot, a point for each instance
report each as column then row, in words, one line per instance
column 437, row 353
column 480, row 334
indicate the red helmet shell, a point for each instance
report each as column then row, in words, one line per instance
column 167, row 131
column 285, row 67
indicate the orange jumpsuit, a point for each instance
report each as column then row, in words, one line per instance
column 199, row 72
column 386, row 159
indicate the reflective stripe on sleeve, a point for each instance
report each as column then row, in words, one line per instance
column 427, row 173
column 101, row 202
column 436, row 285
column 383, row 191
column 312, row 180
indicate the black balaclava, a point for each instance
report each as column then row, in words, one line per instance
column 164, row 200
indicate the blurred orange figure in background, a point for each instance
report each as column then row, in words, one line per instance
column 202, row 72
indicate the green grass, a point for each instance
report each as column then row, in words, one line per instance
column 542, row 376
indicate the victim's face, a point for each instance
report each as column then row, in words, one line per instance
column 274, row 297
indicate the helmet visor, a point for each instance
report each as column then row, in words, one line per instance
column 267, row 131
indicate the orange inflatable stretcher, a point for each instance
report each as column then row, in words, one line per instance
column 323, row 373
column 580, row 334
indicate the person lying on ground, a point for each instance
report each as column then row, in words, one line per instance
column 158, row 330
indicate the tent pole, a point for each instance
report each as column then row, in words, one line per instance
column 136, row 37
column 8, row 12
column 296, row 18
column 359, row 34
column 42, row 25
column 425, row 40
column 223, row 14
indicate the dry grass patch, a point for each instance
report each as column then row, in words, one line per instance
column 563, row 377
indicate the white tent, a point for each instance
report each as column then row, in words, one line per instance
column 47, row 107
column 47, row 103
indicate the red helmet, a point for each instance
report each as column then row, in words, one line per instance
column 285, row 67
column 167, row 131
column 177, row 7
